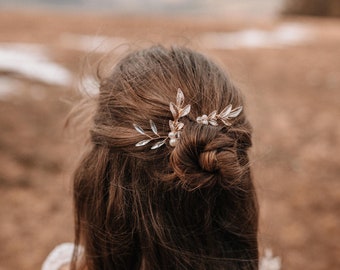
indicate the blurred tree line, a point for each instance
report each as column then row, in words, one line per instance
column 312, row 7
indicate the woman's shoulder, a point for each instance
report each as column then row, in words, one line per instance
column 59, row 258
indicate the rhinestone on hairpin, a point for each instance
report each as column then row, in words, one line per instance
column 178, row 111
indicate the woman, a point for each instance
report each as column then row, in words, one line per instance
column 167, row 182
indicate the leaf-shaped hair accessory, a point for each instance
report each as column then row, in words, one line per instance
column 235, row 112
column 139, row 129
column 177, row 110
column 225, row 115
column 185, row 111
column 142, row 143
column 180, row 125
column 150, row 138
column 179, row 98
column 173, row 110
column 153, row 127
column 158, row 144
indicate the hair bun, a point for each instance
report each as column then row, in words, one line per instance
column 205, row 156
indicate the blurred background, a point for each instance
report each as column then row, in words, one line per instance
column 284, row 54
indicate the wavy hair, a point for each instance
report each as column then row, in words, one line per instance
column 193, row 206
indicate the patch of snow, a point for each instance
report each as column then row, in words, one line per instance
column 8, row 86
column 31, row 61
column 288, row 34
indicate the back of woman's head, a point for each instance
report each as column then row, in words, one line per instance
column 192, row 206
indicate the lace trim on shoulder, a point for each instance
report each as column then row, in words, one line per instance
column 269, row 262
column 59, row 256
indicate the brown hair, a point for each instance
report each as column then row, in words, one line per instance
column 189, row 207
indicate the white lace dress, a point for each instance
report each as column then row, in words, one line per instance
column 62, row 254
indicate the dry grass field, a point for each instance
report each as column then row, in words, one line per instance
column 293, row 101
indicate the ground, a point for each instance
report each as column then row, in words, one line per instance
column 293, row 102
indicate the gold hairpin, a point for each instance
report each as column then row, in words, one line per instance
column 225, row 115
column 178, row 111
